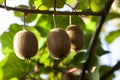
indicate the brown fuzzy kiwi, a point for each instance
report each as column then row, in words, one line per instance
column 58, row 43
column 25, row 44
column 76, row 36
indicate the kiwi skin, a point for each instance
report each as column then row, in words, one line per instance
column 58, row 43
column 76, row 36
column 25, row 44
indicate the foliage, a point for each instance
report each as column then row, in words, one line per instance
column 12, row 68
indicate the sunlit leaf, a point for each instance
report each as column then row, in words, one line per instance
column 1, row 1
column 72, row 3
column 14, row 78
column 7, row 38
column 97, row 5
column 112, row 36
column 44, row 57
column 11, row 66
column 50, row 3
column 69, row 57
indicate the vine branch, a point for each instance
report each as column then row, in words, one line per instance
column 108, row 73
column 36, row 11
column 95, row 35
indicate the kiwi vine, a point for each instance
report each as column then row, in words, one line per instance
column 57, row 37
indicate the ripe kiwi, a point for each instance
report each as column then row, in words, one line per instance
column 58, row 43
column 76, row 36
column 25, row 44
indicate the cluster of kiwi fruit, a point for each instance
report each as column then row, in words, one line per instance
column 60, row 42
column 25, row 44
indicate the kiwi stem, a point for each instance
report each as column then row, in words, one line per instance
column 54, row 20
column 24, row 20
column 70, row 20
column 5, row 5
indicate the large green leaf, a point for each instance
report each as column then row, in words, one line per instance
column 63, row 22
column 44, row 25
column 79, row 58
column 112, row 36
column 1, row 1
column 11, row 67
column 28, row 17
column 7, row 38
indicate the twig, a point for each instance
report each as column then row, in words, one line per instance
column 108, row 73
column 95, row 35
column 36, row 11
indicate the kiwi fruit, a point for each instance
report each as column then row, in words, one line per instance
column 76, row 36
column 25, row 44
column 58, row 43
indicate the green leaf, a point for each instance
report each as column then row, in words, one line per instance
column 112, row 36
column 97, row 5
column 79, row 58
column 93, row 67
column 1, row 1
column 84, row 6
column 71, row 3
column 7, row 38
column 38, row 5
column 88, row 35
column 11, row 66
column 50, row 3
column 28, row 18
column 63, row 22
column 113, row 15
column 105, row 68
column 99, row 50
column 31, row 3
column 44, row 25
column 44, row 57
